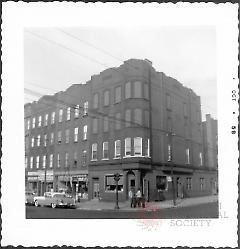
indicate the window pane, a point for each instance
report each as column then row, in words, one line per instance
column 128, row 90
column 128, row 147
column 118, row 94
column 106, row 98
column 137, row 146
column 95, row 100
column 76, row 111
column 117, row 149
column 85, row 108
column 95, row 125
column 105, row 124
column 146, row 92
column 138, row 116
column 137, row 89
column 105, row 150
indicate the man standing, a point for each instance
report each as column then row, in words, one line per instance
column 139, row 196
column 131, row 196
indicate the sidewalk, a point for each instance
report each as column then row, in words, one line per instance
column 150, row 206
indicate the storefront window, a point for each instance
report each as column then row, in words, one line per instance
column 110, row 183
column 161, row 182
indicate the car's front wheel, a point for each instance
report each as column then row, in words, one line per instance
column 53, row 205
column 36, row 203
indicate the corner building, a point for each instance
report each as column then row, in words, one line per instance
column 147, row 127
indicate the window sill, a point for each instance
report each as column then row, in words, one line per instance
column 115, row 158
column 105, row 159
column 93, row 160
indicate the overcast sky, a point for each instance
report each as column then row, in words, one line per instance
column 185, row 53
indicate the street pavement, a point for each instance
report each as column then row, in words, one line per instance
column 198, row 207
column 200, row 211
column 149, row 206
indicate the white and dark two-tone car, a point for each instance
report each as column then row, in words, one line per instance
column 54, row 199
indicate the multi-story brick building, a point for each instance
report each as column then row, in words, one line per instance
column 141, row 124
column 56, row 141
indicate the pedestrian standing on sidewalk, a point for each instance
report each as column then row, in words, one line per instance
column 131, row 196
column 139, row 196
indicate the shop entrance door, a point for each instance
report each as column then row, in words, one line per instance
column 96, row 190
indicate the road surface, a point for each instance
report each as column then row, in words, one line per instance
column 207, row 210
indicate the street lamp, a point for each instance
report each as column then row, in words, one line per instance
column 116, row 178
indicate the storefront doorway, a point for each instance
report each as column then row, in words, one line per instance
column 95, row 189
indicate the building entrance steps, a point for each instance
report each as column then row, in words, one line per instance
column 149, row 206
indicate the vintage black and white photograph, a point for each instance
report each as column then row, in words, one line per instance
column 121, row 123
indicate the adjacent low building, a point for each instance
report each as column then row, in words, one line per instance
column 130, row 120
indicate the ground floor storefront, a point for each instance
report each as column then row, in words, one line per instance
column 72, row 182
column 156, row 183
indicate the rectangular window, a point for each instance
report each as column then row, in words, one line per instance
column 105, row 150
column 200, row 159
column 26, row 162
column 137, row 146
column 85, row 108
column 168, row 101
column 118, row 121
column 105, row 124
column 51, row 161
column 39, row 121
column 44, row 162
column 38, row 140
column 76, row 111
column 67, row 134
column 94, row 151
column 95, row 125
column 169, row 150
column 58, row 160
column 189, row 183
column 85, row 132
column 110, row 183
column 52, row 138
column 138, row 116
column 68, row 113
column 146, row 92
column 128, row 90
column 95, row 101
column 137, row 89
column 84, row 157
column 202, row 186
column 59, row 137
column 46, row 120
column 45, row 140
column 106, row 98
column 37, row 162
column 33, row 122
column 60, row 115
column 147, row 147
column 31, row 162
column 28, row 124
column 118, row 94
column 128, row 118
column 53, row 118
column 75, row 134
column 187, row 156
column 128, row 146
column 75, row 158
column 117, row 153
column 66, row 160
column 32, row 142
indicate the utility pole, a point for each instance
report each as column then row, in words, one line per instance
column 170, row 135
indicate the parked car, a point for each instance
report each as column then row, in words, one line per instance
column 29, row 197
column 54, row 199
